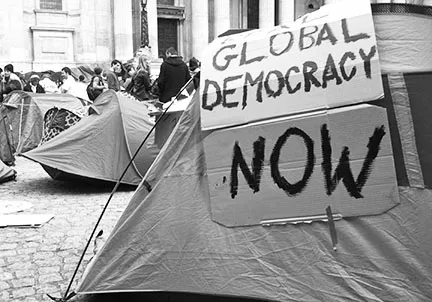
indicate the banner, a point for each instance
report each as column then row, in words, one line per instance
column 324, row 60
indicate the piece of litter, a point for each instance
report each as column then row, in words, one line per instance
column 27, row 220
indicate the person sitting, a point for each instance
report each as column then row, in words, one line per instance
column 140, row 85
column 48, row 85
column 33, row 85
column 10, row 81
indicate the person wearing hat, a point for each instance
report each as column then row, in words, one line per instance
column 33, row 85
column 195, row 68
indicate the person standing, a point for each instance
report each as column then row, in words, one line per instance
column 173, row 75
column 195, row 68
column 68, row 80
column 111, row 75
column 33, row 85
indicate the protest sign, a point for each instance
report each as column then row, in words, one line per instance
column 296, row 167
column 324, row 60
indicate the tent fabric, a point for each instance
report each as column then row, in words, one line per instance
column 407, row 99
column 21, row 120
column 6, row 173
column 166, row 241
column 101, row 145
column 403, row 37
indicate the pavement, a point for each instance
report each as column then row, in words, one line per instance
column 39, row 261
column 36, row 261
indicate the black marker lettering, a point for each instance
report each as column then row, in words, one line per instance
column 243, row 59
column 229, row 91
column 326, row 34
column 287, row 83
column 347, row 37
column 252, row 82
column 343, row 170
column 228, row 58
column 280, row 81
column 254, row 179
column 342, row 62
column 367, row 59
column 304, row 35
column 281, row 182
column 218, row 100
column 330, row 72
column 309, row 67
column 287, row 47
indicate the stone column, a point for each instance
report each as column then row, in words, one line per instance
column 266, row 13
column 12, row 35
column 152, row 27
column 123, row 38
column 199, row 27
column 222, row 10
column 104, row 43
column 87, row 33
column 286, row 11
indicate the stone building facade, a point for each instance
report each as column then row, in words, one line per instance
column 49, row 34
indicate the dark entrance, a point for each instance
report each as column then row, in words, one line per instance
column 167, row 35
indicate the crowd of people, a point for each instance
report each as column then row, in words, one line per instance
column 133, row 77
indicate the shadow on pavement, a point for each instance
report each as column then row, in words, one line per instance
column 48, row 185
column 159, row 297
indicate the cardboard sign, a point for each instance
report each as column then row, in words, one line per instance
column 296, row 167
column 326, row 59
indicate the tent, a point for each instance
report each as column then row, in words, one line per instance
column 101, row 145
column 171, row 240
column 6, row 173
column 21, row 119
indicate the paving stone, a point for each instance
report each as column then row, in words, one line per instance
column 39, row 261
column 7, row 253
column 5, row 296
column 24, row 273
column 19, row 266
column 18, row 258
column 4, row 285
column 50, row 289
column 30, row 245
column 48, row 270
column 46, row 278
column 23, row 292
column 23, row 282
column 8, row 246
column 44, row 255
column 6, row 276
column 27, row 251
